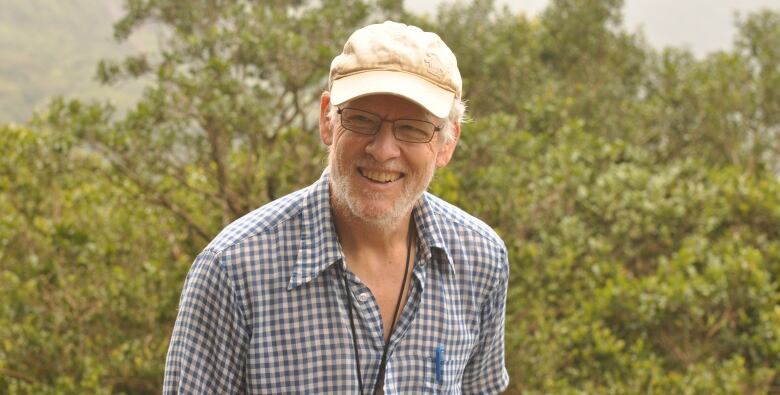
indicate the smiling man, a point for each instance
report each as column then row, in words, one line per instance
column 363, row 282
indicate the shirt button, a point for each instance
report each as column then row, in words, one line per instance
column 363, row 297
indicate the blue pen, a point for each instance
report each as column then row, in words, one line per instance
column 439, row 364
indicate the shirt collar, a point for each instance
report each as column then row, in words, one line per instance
column 320, row 248
column 429, row 231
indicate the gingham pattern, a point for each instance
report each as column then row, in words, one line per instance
column 263, row 310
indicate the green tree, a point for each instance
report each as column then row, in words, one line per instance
column 106, row 211
column 636, row 190
column 627, row 275
column 89, row 274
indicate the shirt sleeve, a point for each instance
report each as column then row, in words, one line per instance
column 208, row 347
column 486, row 372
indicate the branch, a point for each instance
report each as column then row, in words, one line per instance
column 158, row 198
column 670, row 345
column 163, row 201
column 213, row 134
column 17, row 375
column 286, row 117
column 724, row 319
column 178, row 175
column 250, row 172
column 298, row 110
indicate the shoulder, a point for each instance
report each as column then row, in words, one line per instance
column 262, row 220
column 468, row 238
column 454, row 219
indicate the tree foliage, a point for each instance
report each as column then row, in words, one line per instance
column 637, row 190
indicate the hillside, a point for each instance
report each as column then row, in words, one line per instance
column 50, row 48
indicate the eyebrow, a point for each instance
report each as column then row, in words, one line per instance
column 428, row 117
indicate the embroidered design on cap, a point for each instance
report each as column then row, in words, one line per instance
column 435, row 65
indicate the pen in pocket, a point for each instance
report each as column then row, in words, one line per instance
column 439, row 364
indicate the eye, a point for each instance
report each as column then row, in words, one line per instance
column 413, row 130
column 405, row 128
column 359, row 119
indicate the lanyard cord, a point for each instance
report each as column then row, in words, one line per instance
column 383, row 363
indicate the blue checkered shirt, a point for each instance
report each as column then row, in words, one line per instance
column 264, row 308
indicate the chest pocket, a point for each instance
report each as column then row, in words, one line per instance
column 426, row 380
column 447, row 318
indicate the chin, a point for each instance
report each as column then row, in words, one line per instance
column 376, row 212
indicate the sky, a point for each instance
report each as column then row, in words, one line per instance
column 703, row 26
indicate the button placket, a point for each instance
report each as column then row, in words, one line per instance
column 368, row 311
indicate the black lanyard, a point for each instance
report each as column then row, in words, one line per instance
column 381, row 375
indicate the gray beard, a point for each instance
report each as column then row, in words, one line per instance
column 343, row 200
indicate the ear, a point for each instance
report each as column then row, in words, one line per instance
column 446, row 149
column 326, row 131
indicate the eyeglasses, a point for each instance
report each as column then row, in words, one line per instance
column 409, row 130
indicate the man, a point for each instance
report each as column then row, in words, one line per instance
column 362, row 282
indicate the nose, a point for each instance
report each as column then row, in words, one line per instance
column 383, row 145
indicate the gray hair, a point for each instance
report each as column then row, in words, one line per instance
column 457, row 115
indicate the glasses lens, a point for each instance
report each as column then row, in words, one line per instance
column 360, row 121
column 413, row 131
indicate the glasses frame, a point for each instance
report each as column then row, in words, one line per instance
column 392, row 127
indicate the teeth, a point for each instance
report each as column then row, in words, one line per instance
column 381, row 176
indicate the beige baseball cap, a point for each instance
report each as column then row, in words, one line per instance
column 396, row 59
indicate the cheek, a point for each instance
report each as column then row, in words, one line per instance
column 424, row 161
column 336, row 138
column 440, row 153
column 346, row 144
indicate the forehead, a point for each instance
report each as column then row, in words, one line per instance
column 390, row 106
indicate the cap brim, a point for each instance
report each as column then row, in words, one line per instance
column 436, row 100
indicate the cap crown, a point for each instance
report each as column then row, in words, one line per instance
column 392, row 46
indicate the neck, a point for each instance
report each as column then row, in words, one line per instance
column 358, row 234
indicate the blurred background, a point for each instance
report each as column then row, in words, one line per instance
column 627, row 152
